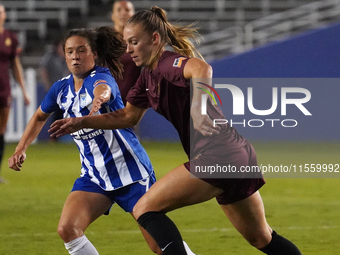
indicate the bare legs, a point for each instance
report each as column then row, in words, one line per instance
column 248, row 218
column 177, row 189
column 80, row 210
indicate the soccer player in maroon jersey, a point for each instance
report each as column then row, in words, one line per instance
column 8, row 60
column 164, row 85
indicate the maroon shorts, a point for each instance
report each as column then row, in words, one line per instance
column 235, row 189
column 5, row 101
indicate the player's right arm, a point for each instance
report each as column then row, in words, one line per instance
column 200, row 71
column 120, row 119
column 32, row 130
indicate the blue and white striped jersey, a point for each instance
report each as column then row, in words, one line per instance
column 110, row 158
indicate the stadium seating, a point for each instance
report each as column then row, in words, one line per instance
column 33, row 19
column 224, row 20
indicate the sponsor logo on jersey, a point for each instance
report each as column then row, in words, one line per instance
column 178, row 62
column 86, row 134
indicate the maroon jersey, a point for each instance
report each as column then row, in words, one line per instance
column 130, row 75
column 8, row 47
column 167, row 91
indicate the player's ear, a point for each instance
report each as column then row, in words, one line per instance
column 156, row 38
column 95, row 55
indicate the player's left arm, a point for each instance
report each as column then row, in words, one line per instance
column 18, row 75
column 200, row 72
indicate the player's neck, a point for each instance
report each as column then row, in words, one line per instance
column 119, row 29
column 79, row 80
column 78, row 83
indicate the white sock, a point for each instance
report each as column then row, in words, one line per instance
column 187, row 249
column 81, row 246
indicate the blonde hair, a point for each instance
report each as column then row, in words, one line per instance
column 177, row 36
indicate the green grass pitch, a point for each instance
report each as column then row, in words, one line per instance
column 305, row 210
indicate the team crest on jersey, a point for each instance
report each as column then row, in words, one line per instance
column 98, row 82
column 82, row 100
column 178, row 62
column 8, row 42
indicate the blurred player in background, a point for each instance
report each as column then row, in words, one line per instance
column 9, row 60
column 53, row 64
column 114, row 166
column 164, row 85
column 121, row 12
column 52, row 67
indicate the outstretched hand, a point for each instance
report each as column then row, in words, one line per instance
column 64, row 127
column 96, row 104
column 16, row 160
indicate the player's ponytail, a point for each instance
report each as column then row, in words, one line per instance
column 177, row 36
column 110, row 46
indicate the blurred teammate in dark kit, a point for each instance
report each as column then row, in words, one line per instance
column 9, row 61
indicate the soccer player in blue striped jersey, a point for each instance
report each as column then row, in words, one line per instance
column 110, row 158
column 114, row 166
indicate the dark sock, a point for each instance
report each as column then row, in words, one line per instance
column 2, row 148
column 280, row 246
column 164, row 231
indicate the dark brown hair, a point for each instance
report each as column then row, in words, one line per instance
column 107, row 43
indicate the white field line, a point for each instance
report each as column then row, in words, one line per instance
column 197, row 230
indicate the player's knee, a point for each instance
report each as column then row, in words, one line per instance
column 68, row 233
column 139, row 209
column 258, row 241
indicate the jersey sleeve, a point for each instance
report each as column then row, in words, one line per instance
column 172, row 70
column 137, row 95
column 105, row 79
column 49, row 103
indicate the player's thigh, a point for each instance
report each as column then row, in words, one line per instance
column 248, row 217
column 81, row 208
column 176, row 189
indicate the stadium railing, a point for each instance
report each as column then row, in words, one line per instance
column 61, row 15
column 33, row 15
column 270, row 28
